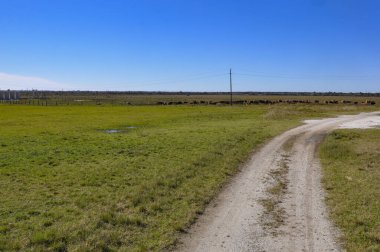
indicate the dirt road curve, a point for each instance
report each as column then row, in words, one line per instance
column 252, row 214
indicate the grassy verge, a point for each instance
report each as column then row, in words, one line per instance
column 66, row 184
column 351, row 161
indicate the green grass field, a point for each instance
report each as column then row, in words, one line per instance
column 66, row 184
column 352, row 179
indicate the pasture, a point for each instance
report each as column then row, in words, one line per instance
column 68, row 184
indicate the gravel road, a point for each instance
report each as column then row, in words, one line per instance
column 276, row 203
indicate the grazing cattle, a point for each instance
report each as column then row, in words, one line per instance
column 370, row 102
column 238, row 102
column 333, row 102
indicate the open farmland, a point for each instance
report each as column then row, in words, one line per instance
column 67, row 183
column 189, row 126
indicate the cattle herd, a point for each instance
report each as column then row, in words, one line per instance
column 248, row 102
column 37, row 97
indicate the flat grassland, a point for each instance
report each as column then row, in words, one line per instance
column 67, row 183
column 351, row 160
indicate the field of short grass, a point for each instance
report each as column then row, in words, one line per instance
column 351, row 160
column 66, row 184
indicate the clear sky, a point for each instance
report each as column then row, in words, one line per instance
column 189, row 45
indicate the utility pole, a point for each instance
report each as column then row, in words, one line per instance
column 230, row 86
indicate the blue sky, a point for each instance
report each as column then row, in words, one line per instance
column 178, row 45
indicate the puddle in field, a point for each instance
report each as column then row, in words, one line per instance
column 113, row 131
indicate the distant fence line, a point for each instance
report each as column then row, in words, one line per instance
column 9, row 95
